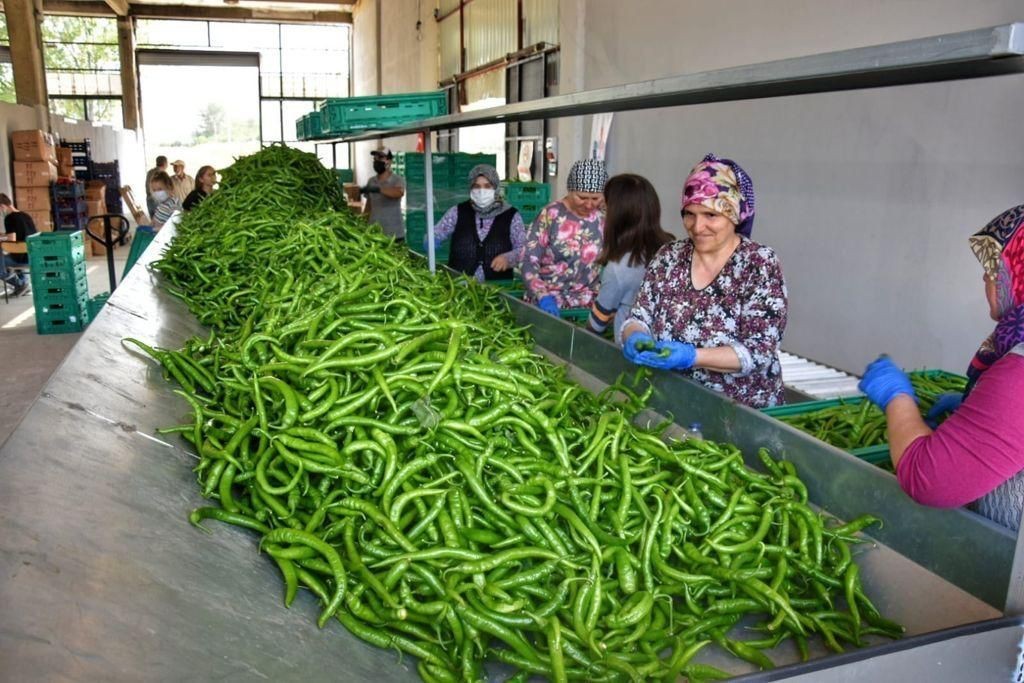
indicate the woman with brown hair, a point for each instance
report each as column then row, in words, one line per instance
column 632, row 236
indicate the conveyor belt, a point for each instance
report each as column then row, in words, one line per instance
column 816, row 380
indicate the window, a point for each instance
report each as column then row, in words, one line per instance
column 83, row 67
column 299, row 63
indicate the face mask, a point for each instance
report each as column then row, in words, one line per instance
column 482, row 197
column 380, row 166
column 160, row 196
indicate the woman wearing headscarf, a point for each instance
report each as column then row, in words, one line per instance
column 975, row 456
column 487, row 234
column 714, row 305
column 560, row 261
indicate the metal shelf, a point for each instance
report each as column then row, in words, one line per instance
column 967, row 54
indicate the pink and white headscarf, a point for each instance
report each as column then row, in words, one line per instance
column 723, row 186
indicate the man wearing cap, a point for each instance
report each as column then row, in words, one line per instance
column 182, row 183
column 384, row 194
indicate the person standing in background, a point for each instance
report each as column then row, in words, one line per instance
column 161, row 167
column 205, row 180
column 384, row 194
column 182, row 183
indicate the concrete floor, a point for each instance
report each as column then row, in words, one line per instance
column 30, row 358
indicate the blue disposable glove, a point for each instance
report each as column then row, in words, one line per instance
column 629, row 349
column 945, row 403
column 883, row 381
column 549, row 304
column 670, row 355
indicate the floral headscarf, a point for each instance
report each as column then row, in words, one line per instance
column 999, row 247
column 723, row 186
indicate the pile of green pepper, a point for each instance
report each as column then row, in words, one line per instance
column 860, row 424
column 443, row 490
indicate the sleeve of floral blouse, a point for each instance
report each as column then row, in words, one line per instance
column 534, row 252
column 763, row 315
column 517, row 233
column 446, row 226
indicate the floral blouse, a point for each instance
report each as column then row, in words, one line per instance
column 560, row 256
column 743, row 308
column 517, row 232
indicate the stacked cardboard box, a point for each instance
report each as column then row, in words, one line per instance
column 35, row 168
column 65, row 163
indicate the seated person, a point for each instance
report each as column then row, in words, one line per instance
column 18, row 225
column 167, row 204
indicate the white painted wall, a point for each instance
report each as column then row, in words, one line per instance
column 867, row 196
column 409, row 60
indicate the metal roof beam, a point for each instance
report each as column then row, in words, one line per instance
column 214, row 13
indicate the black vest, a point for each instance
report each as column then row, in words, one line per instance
column 467, row 251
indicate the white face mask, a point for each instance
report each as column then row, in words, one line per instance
column 482, row 196
column 160, row 196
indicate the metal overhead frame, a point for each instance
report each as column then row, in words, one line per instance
column 978, row 53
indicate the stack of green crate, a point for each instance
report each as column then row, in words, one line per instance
column 529, row 198
column 60, row 289
column 450, row 178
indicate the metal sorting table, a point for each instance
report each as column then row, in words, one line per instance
column 103, row 578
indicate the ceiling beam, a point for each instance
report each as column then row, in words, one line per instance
column 120, row 7
column 215, row 13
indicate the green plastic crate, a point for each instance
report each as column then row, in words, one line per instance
column 526, row 193
column 463, row 163
column 410, row 166
column 62, row 290
column 876, row 455
column 56, row 261
column 578, row 316
column 61, row 245
column 341, row 115
column 59, row 322
column 42, row 277
column 66, row 305
column 345, row 175
column 96, row 303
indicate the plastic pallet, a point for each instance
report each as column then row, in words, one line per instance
column 348, row 114
column 96, row 304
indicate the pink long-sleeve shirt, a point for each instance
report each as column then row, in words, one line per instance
column 978, row 448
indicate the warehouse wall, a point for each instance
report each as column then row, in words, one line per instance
column 409, row 60
column 107, row 144
column 868, row 197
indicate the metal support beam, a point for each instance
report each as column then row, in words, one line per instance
column 225, row 13
column 130, row 110
column 23, row 19
column 120, row 7
column 428, row 176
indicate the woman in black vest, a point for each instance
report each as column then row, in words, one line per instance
column 487, row 234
